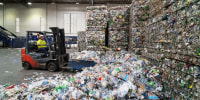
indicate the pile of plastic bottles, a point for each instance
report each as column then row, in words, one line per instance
column 86, row 55
column 120, row 75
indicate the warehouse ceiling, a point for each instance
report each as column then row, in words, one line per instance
column 71, row 1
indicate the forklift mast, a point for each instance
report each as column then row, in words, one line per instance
column 59, row 40
column 59, row 47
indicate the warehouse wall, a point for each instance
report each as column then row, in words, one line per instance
column 29, row 17
column 66, row 8
column 1, row 15
column 53, row 15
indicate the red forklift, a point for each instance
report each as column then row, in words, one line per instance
column 57, row 59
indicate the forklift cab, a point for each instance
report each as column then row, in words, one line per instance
column 33, row 58
column 32, row 48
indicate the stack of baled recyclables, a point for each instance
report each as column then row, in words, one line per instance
column 138, row 16
column 81, row 41
column 96, row 27
column 119, row 27
column 167, row 34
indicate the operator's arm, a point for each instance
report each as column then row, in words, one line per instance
column 41, row 43
column 38, row 43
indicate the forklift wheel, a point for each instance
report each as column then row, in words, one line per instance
column 52, row 67
column 26, row 65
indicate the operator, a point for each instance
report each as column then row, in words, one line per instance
column 42, row 45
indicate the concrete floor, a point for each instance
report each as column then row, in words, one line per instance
column 11, row 68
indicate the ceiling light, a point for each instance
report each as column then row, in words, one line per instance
column 53, row 3
column 1, row 3
column 29, row 3
column 77, row 3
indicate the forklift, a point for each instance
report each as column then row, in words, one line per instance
column 33, row 58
